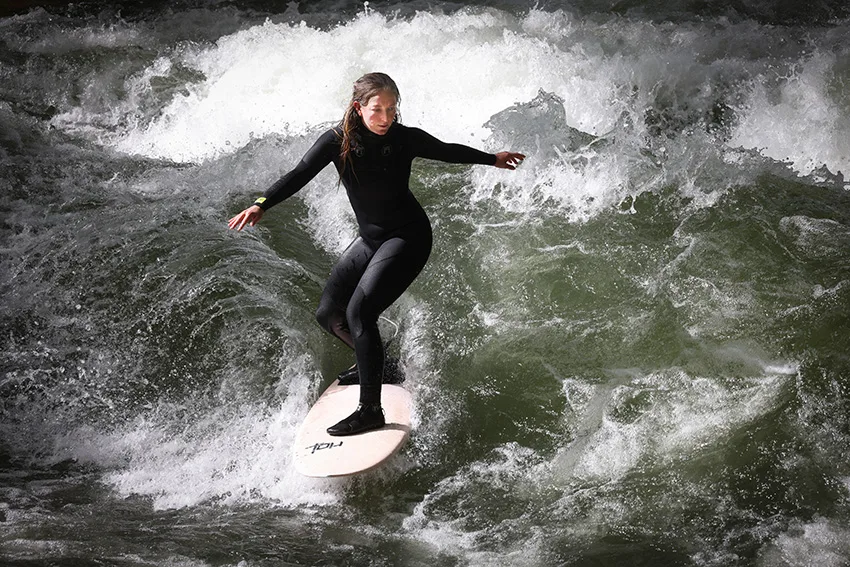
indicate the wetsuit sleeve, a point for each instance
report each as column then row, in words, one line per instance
column 314, row 161
column 427, row 146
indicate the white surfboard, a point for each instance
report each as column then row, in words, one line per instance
column 318, row 454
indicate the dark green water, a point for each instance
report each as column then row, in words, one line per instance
column 631, row 351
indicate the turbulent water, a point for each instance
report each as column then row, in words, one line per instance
column 631, row 351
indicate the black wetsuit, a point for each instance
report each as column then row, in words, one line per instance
column 395, row 233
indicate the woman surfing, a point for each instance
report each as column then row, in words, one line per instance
column 372, row 152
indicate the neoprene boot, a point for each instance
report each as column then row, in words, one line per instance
column 393, row 373
column 364, row 418
column 349, row 376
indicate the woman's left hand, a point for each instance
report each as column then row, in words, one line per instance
column 508, row 160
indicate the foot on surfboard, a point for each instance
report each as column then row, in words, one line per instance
column 364, row 418
column 349, row 377
column 393, row 373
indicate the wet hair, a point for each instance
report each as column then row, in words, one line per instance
column 365, row 88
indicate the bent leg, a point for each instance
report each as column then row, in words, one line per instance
column 339, row 288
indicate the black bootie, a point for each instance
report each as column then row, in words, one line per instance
column 393, row 373
column 349, row 377
column 364, row 418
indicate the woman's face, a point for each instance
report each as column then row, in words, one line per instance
column 378, row 113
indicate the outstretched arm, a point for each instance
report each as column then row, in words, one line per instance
column 428, row 146
column 320, row 155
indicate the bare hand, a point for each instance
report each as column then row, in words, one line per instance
column 251, row 216
column 508, row 160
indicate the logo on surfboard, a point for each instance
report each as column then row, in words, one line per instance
column 324, row 445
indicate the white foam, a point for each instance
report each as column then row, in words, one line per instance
column 687, row 414
column 60, row 39
column 284, row 79
column 458, row 531
column 457, row 70
column 821, row 542
column 234, row 452
column 331, row 220
column 580, row 190
column 799, row 120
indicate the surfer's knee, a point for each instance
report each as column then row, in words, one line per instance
column 323, row 316
column 328, row 317
column 360, row 316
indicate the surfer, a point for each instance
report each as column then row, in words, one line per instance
column 372, row 152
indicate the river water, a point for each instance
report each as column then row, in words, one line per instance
column 631, row 351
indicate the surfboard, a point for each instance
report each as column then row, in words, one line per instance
column 318, row 454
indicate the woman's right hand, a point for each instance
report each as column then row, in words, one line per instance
column 251, row 215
